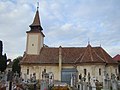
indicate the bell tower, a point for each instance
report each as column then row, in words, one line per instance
column 35, row 37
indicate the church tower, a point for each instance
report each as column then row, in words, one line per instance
column 35, row 37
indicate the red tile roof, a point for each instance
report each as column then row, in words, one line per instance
column 117, row 57
column 70, row 55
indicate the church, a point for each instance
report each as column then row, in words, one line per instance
column 63, row 62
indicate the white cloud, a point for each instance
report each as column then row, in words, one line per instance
column 65, row 22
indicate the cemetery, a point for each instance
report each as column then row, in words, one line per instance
column 13, row 81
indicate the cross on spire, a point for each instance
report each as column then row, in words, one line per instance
column 88, row 41
column 37, row 5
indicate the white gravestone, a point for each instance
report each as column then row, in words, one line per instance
column 93, row 83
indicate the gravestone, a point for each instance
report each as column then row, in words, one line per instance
column 93, row 83
column 106, row 81
column 71, row 82
column 89, row 77
column 9, row 79
column 25, row 77
column 114, row 82
column 81, row 86
column 44, row 85
column 84, row 86
column 34, row 81
column 51, row 78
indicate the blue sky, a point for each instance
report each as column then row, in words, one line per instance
column 68, row 23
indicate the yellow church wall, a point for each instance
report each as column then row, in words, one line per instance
column 112, row 70
column 38, row 70
column 92, row 69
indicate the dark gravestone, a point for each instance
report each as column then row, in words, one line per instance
column 9, row 78
column 34, row 80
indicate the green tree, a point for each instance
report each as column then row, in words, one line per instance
column 16, row 65
column 1, row 48
column 3, row 62
column 3, row 58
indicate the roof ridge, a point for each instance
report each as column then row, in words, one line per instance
column 83, row 55
column 104, row 55
column 90, row 52
column 87, row 48
column 78, row 58
column 24, row 56
column 99, row 56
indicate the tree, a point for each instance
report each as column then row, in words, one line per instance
column 1, row 48
column 16, row 65
column 3, row 58
column 3, row 62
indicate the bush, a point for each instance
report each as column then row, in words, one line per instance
column 60, row 88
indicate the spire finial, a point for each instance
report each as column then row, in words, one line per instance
column 88, row 41
column 100, row 45
column 37, row 5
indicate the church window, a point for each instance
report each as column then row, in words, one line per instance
column 80, row 76
column 99, row 71
column 34, row 73
column 85, row 71
column 27, row 71
column 45, row 70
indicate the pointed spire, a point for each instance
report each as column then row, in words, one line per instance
column 36, row 22
column 89, row 46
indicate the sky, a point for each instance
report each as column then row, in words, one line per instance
column 66, row 23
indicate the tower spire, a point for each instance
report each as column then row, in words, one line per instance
column 36, row 25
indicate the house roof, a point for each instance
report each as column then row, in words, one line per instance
column 117, row 57
column 70, row 55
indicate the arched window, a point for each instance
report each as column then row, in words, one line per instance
column 99, row 71
column 27, row 71
column 85, row 72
